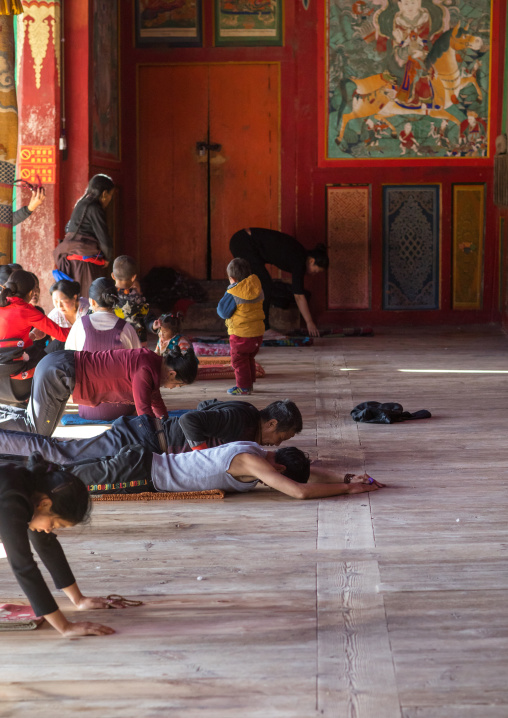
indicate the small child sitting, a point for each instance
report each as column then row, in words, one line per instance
column 132, row 305
column 242, row 308
column 168, row 327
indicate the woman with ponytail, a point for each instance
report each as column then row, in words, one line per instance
column 101, row 331
column 86, row 249
column 35, row 499
column 18, row 355
column 120, row 376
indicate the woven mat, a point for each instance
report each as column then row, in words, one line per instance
column 224, row 370
column 213, row 494
column 18, row 618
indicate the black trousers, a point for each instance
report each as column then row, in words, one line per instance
column 131, row 463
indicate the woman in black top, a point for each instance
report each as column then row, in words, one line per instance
column 87, row 249
column 268, row 246
column 34, row 501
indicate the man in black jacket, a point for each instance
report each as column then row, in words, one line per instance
column 213, row 423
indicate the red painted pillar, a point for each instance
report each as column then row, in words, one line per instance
column 39, row 62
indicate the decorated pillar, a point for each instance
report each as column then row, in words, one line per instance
column 39, row 77
column 8, row 125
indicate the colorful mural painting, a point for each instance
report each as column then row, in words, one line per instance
column 173, row 22
column 248, row 22
column 408, row 78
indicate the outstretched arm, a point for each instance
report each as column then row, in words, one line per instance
column 303, row 306
column 261, row 469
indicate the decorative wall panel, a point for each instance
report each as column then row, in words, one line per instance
column 407, row 78
column 468, row 237
column 411, row 223
column 105, row 99
column 348, row 229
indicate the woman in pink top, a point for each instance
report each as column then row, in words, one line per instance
column 92, row 378
column 18, row 355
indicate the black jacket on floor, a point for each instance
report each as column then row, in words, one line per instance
column 373, row 412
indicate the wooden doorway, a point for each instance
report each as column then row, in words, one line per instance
column 193, row 198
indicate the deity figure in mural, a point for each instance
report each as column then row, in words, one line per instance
column 411, row 26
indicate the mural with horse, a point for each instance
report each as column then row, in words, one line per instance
column 408, row 78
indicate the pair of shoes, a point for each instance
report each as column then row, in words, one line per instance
column 237, row 391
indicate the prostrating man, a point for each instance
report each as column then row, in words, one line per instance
column 211, row 424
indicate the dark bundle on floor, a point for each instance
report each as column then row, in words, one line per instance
column 164, row 286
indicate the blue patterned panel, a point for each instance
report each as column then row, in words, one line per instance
column 411, row 247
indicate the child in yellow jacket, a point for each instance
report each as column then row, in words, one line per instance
column 242, row 308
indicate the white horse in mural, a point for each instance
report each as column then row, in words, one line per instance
column 375, row 96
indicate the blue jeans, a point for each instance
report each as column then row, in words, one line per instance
column 53, row 383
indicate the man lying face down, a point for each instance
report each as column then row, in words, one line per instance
column 213, row 423
column 235, row 467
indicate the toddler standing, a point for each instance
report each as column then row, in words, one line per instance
column 132, row 305
column 242, row 308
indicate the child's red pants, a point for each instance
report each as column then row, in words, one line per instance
column 243, row 351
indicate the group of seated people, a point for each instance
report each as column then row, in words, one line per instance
column 101, row 359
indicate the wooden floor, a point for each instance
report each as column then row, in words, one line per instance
column 375, row 606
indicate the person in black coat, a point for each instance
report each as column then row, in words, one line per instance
column 268, row 246
column 211, row 424
column 35, row 500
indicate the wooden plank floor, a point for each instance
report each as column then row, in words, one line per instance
column 375, row 606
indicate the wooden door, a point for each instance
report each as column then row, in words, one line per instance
column 244, row 175
column 190, row 203
column 172, row 178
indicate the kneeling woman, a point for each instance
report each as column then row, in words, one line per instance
column 120, row 376
column 34, row 501
column 101, row 331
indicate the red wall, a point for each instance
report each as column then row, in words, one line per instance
column 303, row 180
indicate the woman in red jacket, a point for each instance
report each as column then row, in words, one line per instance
column 18, row 355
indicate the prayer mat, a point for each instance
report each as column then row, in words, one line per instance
column 210, row 350
column 18, row 618
column 281, row 340
column 212, row 494
column 223, row 370
column 288, row 342
column 333, row 332
column 77, row 420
